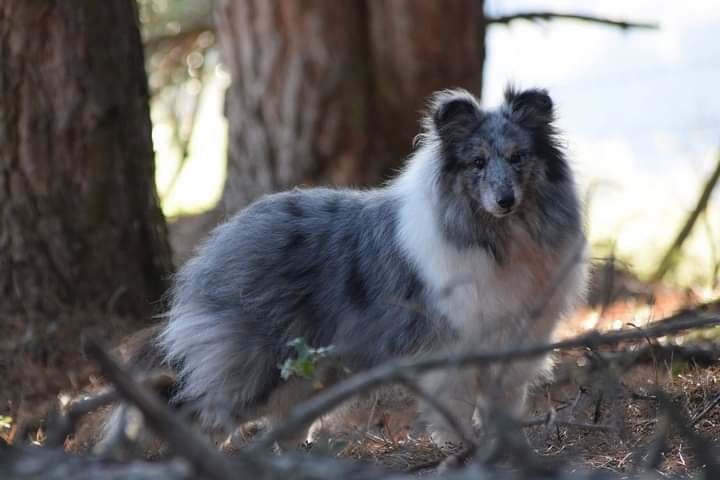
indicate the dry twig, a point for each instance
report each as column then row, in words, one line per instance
column 447, row 415
column 703, row 448
column 670, row 257
column 399, row 369
column 204, row 458
column 714, row 403
column 548, row 16
column 64, row 425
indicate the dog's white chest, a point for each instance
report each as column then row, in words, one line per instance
column 478, row 296
column 470, row 284
column 490, row 301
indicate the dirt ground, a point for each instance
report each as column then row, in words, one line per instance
column 42, row 363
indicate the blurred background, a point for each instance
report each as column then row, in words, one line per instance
column 637, row 105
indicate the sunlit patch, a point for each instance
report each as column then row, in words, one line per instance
column 591, row 320
column 38, row 438
column 64, row 399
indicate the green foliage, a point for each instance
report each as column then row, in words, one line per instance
column 305, row 364
column 5, row 421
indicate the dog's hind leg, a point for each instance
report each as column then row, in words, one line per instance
column 282, row 400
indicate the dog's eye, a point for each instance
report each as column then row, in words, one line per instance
column 480, row 161
column 518, row 157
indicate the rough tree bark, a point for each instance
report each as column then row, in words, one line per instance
column 418, row 47
column 330, row 92
column 298, row 104
column 79, row 218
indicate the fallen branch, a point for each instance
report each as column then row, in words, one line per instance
column 64, row 424
column 697, row 355
column 447, row 415
column 54, row 464
column 205, row 459
column 549, row 422
column 396, row 370
column 51, row 464
column 627, row 359
column 548, row 16
column 713, row 403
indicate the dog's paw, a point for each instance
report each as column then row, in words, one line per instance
column 445, row 438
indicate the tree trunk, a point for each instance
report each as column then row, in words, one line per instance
column 298, row 103
column 418, row 47
column 331, row 92
column 80, row 224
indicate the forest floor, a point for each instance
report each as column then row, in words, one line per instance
column 600, row 421
column 607, row 430
column 42, row 364
column 604, row 421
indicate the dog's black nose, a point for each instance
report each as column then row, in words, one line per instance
column 506, row 201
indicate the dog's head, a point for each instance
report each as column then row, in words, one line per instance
column 493, row 157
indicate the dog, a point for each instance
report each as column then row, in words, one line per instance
column 477, row 244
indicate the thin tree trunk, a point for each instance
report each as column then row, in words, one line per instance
column 80, row 224
column 297, row 105
column 669, row 260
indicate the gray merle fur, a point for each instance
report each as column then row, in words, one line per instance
column 317, row 264
column 333, row 267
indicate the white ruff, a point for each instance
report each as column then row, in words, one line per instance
column 489, row 304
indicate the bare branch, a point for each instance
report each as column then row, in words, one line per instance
column 55, row 464
column 698, row 355
column 670, row 258
column 447, row 415
column 566, row 423
column 549, row 16
column 397, row 370
column 696, row 418
column 64, row 424
column 204, row 458
column 183, row 141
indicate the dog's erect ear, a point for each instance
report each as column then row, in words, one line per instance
column 454, row 113
column 530, row 108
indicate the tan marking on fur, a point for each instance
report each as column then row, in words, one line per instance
column 539, row 262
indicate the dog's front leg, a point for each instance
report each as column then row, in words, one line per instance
column 456, row 392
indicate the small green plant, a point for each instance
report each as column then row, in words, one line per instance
column 305, row 363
